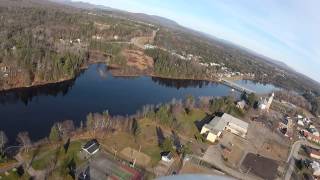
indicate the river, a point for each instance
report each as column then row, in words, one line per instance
column 36, row 109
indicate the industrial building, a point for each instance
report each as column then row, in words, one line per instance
column 226, row 122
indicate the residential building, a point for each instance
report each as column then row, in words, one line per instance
column 226, row 122
column 300, row 122
column 315, row 168
column 314, row 153
column 149, row 46
column 312, row 129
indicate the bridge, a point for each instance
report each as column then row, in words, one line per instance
column 236, row 86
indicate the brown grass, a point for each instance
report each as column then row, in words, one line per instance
column 138, row 59
column 141, row 158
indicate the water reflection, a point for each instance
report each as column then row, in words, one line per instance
column 35, row 109
column 26, row 95
column 102, row 71
column 180, row 83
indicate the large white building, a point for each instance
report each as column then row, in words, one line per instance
column 226, row 122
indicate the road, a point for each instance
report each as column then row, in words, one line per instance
column 294, row 155
column 141, row 41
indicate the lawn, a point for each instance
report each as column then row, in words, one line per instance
column 13, row 175
column 46, row 155
column 147, row 138
column 187, row 122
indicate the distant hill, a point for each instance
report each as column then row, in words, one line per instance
column 153, row 19
column 165, row 22
column 80, row 4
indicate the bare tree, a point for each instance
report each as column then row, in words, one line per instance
column 3, row 140
column 67, row 127
column 24, row 139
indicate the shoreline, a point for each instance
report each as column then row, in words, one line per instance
column 41, row 84
column 112, row 67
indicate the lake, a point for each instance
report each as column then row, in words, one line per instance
column 36, row 109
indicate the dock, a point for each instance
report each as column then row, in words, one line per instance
column 236, row 86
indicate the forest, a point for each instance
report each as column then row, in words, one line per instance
column 235, row 58
column 46, row 43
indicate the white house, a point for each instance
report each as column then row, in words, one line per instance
column 149, row 46
column 300, row 122
column 224, row 123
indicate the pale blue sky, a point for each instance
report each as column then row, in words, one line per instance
column 286, row 30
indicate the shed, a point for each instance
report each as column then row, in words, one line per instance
column 166, row 156
column 91, row 147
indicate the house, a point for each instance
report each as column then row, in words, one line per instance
column 149, row 46
column 300, row 116
column 241, row 104
column 91, row 147
column 314, row 153
column 300, row 122
column 226, row 122
column 166, row 156
column 307, row 121
column 312, row 129
column 315, row 168
column 286, row 127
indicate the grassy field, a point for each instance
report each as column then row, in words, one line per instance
column 187, row 122
column 54, row 156
column 147, row 138
column 47, row 155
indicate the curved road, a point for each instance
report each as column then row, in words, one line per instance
column 294, row 155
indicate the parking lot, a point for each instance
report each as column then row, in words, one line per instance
column 261, row 166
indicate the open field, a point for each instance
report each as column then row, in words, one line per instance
column 274, row 150
column 13, row 175
column 137, row 59
column 132, row 154
column 54, row 158
column 191, row 168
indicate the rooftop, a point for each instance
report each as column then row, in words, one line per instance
column 91, row 146
column 219, row 123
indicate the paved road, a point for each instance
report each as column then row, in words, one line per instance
column 294, row 155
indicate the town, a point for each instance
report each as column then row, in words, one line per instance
column 97, row 93
column 262, row 132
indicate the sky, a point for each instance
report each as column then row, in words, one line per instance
column 285, row 30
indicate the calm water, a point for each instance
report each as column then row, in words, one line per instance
column 95, row 90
